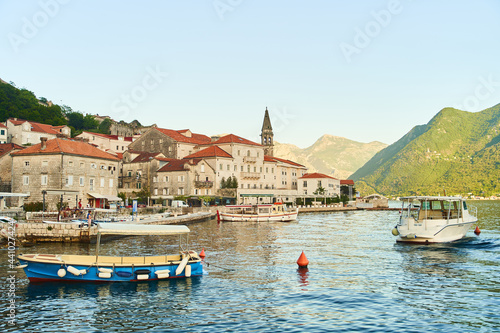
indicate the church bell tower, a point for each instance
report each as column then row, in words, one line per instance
column 267, row 135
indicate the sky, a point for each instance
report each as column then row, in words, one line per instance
column 364, row 70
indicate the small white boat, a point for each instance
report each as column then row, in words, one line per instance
column 258, row 213
column 434, row 219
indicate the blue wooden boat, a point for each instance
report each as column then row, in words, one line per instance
column 97, row 268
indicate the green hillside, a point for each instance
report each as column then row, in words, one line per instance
column 23, row 104
column 456, row 151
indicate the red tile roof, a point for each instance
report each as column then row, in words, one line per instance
column 212, row 151
column 178, row 136
column 6, row 148
column 145, row 157
column 315, row 175
column 276, row 159
column 178, row 165
column 111, row 137
column 231, row 138
column 346, row 182
column 2, row 125
column 58, row 146
column 37, row 127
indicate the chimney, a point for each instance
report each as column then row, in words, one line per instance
column 43, row 140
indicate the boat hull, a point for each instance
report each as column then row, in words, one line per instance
column 43, row 271
column 257, row 218
column 440, row 234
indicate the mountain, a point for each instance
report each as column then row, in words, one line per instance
column 331, row 155
column 456, row 151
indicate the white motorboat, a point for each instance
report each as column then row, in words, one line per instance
column 434, row 219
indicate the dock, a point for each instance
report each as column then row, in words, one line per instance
column 34, row 232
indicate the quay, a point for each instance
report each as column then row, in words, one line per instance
column 33, row 232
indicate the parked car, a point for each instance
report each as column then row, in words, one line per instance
column 179, row 203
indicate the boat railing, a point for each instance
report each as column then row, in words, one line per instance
column 472, row 211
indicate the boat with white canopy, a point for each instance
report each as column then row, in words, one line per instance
column 434, row 219
column 258, row 213
column 99, row 268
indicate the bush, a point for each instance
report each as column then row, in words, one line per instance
column 33, row 206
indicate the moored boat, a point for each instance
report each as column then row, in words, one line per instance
column 258, row 213
column 434, row 219
column 97, row 268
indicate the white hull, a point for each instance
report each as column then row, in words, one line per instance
column 257, row 218
column 438, row 234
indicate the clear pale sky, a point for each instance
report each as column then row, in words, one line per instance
column 365, row 70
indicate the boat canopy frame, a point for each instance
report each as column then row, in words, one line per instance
column 128, row 229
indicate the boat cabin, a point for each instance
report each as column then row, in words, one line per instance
column 433, row 208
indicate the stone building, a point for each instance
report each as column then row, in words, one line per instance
column 318, row 184
column 6, row 164
column 171, row 143
column 4, row 133
column 109, row 143
column 138, row 171
column 24, row 132
column 65, row 165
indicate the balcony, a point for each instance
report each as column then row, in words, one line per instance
column 249, row 159
column 203, row 184
column 250, row 175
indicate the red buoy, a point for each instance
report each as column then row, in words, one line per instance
column 202, row 253
column 302, row 261
column 477, row 231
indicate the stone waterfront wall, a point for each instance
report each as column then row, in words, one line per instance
column 45, row 232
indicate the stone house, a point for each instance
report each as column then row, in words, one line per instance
column 184, row 177
column 310, row 183
column 6, row 164
column 66, row 165
column 24, row 132
column 138, row 170
column 171, row 143
column 4, row 133
column 108, row 143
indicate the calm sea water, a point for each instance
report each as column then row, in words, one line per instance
column 358, row 279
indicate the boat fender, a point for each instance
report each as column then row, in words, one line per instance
column 142, row 276
column 61, row 272
column 103, row 275
column 181, row 266
column 162, row 274
column 124, row 274
column 188, row 271
column 142, row 271
column 105, row 270
column 74, row 270
column 395, row 232
column 83, row 271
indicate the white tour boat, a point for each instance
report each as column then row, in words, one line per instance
column 434, row 219
column 258, row 213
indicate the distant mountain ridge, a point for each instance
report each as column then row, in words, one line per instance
column 456, row 151
column 332, row 155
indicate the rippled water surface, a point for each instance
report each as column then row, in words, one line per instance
column 358, row 279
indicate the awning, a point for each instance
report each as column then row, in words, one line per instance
column 112, row 198
column 141, row 229
column 96, row 195
column 104, row 196
column 256, row 195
